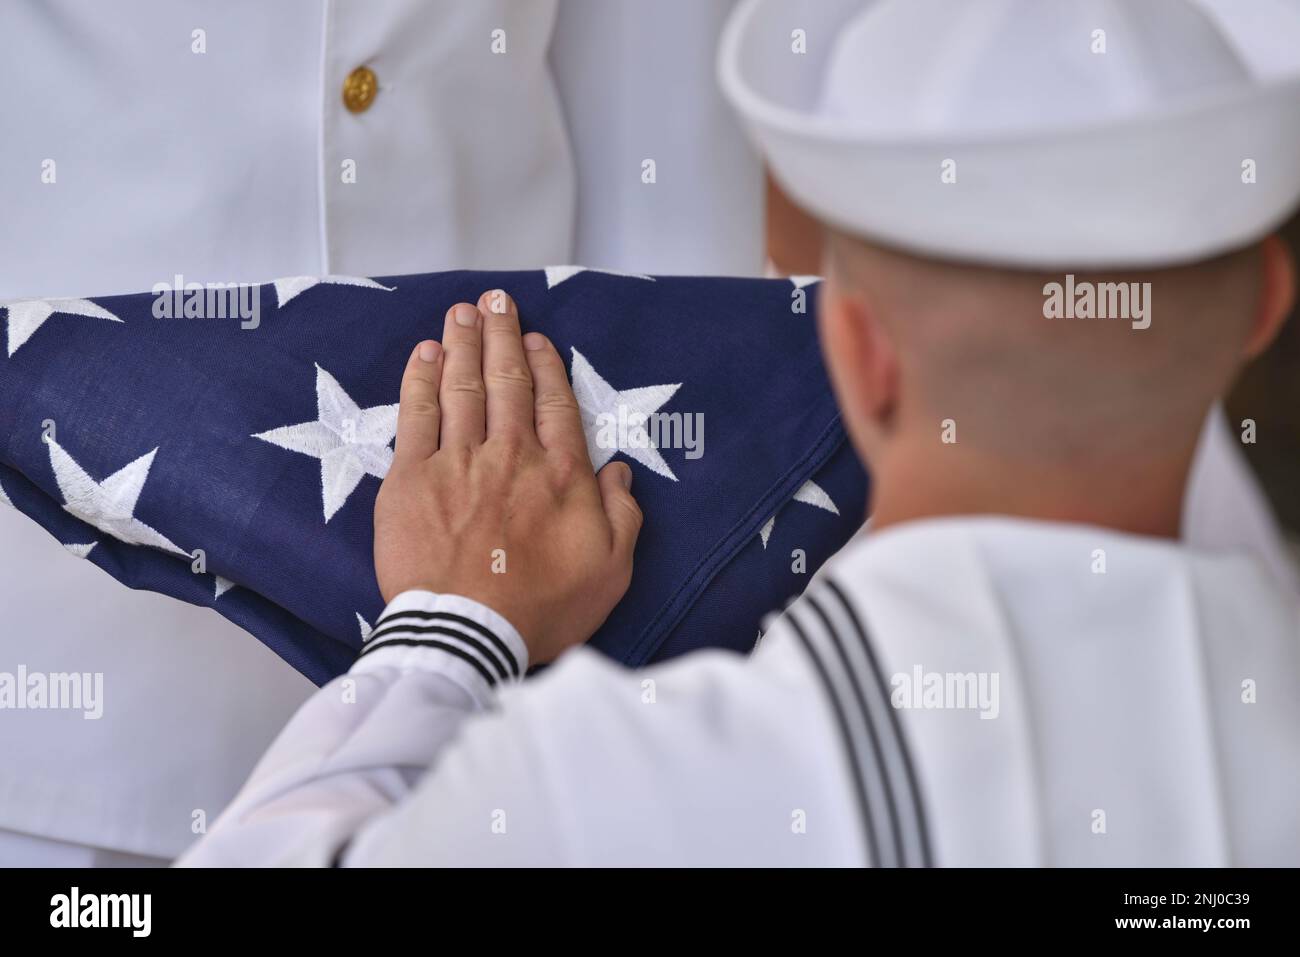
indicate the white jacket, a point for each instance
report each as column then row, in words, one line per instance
column 969, row 691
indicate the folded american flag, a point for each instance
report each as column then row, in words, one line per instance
column 231, row 458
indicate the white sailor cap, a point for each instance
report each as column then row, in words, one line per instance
column 1031, row 133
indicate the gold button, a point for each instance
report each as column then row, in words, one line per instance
column 359, row 89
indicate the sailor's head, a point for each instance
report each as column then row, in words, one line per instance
column 1042, row 368
column 1048, row 222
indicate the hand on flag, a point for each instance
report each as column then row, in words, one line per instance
column 491, row 494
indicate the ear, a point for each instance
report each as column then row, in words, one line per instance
column 862, row 360
column 1277, row 295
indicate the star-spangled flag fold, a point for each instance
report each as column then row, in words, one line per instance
column 237, row 468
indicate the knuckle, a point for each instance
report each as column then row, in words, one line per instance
column 422, row 407
column 458, row 459
column 631, row 512
column 462, row 339
column 635, row 515
column 465, row 387
column 509, row 448
column 566, row 466
column 418, row 378
column 557, row 400
column 509, row 377
column 546, row 357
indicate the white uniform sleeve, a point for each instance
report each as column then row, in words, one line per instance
column 425, row 754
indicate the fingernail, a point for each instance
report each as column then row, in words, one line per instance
column 534, row 341
column 498, row 302
column 465, row 315
column 627, row 477
column 429, row 350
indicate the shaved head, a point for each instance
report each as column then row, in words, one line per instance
column 973, row 344
column 914, row 342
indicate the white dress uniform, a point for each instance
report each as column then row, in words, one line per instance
column 1149, row 715
column 145, row 139
column 976, row 690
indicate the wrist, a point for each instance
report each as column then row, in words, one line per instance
column 454, row 634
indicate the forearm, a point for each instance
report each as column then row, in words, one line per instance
column 359, row 745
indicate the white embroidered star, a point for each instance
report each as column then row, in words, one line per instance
column 108, row 505
column 366, row 627
column 28, row 315
column 614, row 421
column 221, row 586
column 350, row 442
column 290, row 286
column 557, row 274
column 81, row 551
column 810, row 493
column 801, row 281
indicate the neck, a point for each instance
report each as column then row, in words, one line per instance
column 1138, row 493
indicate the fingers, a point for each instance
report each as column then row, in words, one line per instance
column 505, row 371
column 559, row 423
column 418, row 415
column 615, row 481
column 462, row 394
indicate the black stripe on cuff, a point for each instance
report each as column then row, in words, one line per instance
column 441, row 646
column 506, row 654
column 379, row 637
